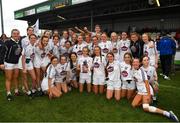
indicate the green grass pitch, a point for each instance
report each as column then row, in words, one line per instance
column 87, row 106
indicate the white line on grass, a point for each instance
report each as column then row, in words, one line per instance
column 167, row 86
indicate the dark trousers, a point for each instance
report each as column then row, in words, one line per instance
column 166, row 64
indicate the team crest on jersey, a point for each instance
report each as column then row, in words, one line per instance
column 96, row 65
column 124, row 48
column 32, row 55
column 105, row 50
column 66, row 54
column 43, row 55
column 110, row 69
column 17, row 51
column 124, row 73
column 79, row 52
column 115, row 50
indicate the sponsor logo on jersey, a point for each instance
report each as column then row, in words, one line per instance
column 43, row 55
column 110, row 69
column 115, row 50
column 105, row 50
column 124, row 73
column 79, row 52
column 96, row 65
column 124, row 48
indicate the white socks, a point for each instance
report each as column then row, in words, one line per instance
column 165, row 113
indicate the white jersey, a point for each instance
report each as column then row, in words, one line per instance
column 99, row 63
column 64, row 51
column 113, row 70
column 29, row 52
column 85, row 64
column 50, row 74
column 140, row 77
column 62, row 70
column 150, row 52
column 55, row 50
column 126, row 71
column 62, row 42
column 25, row 42
column 41, row 54
column 106, row 47
column 123, row 48
column 151, row 73
column 115, row 49
column 78, row 49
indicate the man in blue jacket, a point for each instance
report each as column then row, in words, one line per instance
column 166, row 47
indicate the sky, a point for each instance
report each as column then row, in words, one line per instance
column 9, row 6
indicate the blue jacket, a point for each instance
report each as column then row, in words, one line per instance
column 166, row 46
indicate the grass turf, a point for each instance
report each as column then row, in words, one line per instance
column 87, row 106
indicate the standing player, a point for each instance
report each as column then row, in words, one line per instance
column 105, row 45
column 128, row 85
column 99, row 63
column 27, row 63
column 150, row 50
column 115, row 46
column 113, row 78
column 85, row 66
column 13, row 54
column 124, row 45
column 79, row 46
column 143, row 96
column 41, row 60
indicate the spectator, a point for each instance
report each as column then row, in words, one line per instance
column 165, row 46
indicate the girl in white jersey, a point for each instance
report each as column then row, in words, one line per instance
column 73, row 71
column 124, row 45
column 79, row 46
column 105, row 45
column 85, row 67
column 95, row 43
column 115, row 45
column 27, row 63
column 151, row 75
column 128, row 85
column 55, row 46
column 41, row 60
column 113, row 78
column 48, row 83
column 150, row 50
column 62, row 74
column 143, row 96
column 99, row 63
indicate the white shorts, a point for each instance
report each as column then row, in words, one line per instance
column 128, row 86
column 9, row 66
column 145, row 93
column 99, row 80
column 29, row 66
column 38, row 63
column 20, row 63
column 44, row 84
column 111, row 85
column 82, row 80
